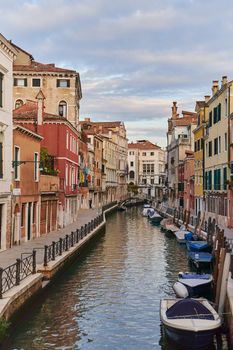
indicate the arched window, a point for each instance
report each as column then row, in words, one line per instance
column 131, row 174
column 62, row 109
column 18, row 103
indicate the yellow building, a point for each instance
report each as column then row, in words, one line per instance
column 199, row 156
column 61, row 87
column 216, row 150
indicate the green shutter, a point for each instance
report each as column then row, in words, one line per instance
column 210, row 119
column 219, row 112
column 210, row 179
column 224, row 178
column 215, row 115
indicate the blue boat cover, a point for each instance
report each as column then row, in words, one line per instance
column 188, row 276
column 188, row 236
column 200, row 257
column 197, row 245
column 189, row 308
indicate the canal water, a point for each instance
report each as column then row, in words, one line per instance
column 109, row 297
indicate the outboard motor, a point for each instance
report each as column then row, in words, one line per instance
column 180, row 290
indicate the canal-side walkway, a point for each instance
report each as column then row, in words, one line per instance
column 8, row 257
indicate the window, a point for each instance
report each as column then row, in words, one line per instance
column 216, row 145
column 131, row 163
column 210, row 149
column 210, row 119
column 152, row 153
column 217, row 179
column 219, row 112
column 215, row 115
column 144, row 168
column 152, row 181
column 16, row 163
column 131, row 174
column 1, row 160
column 198, row 120
column 34, row 212
column 63, row 83
column 219, row 144
column 36, row 159
column 226, row 112
column 225, row 178
column 198, row 145
column 20, row 82
column 35, row 82
column 225, row 141
column 144, row 154
column 18, row 103
column 1, row 90
column 62, row 109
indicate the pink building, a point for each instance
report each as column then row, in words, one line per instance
column 230, row 183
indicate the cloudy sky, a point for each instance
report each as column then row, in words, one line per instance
column 134, row 56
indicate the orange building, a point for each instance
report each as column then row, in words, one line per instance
column 25, row 192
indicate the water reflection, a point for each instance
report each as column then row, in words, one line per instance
column 110, row 298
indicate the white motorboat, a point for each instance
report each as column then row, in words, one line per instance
column 192, row 322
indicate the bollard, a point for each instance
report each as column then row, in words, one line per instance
column 67, row 238
column 34, row 261
column 60, row 246
column 53, row 250
column 45, row 255
column 17, row 279
column 1, row 272
column 72, row 238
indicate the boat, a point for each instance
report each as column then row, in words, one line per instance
column 183, row 236
column 197, row 285
column 121, row 208
column 146, row 209
column 190, row 322
column 165, row 222
column 197, row 246
column 200, row 258
column 154, row 217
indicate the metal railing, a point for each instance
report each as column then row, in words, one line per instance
column 64, row 244
column 12, row 275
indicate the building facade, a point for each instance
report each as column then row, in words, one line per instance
column 146, row 164
column 217, row 151
column 61, row 87
column 179, row 139
column 7, row 56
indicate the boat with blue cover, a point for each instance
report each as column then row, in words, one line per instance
column 190, row 322
column 182, row 236
column 200, row 258
column 146, row 208
column 197, row 285
column 197, row 246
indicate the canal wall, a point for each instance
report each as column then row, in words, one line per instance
column 16, row 297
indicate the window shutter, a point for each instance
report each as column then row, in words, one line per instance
column 219, row 112
column 25, row 82
column 58, row 83
column 215, row 115
column 210, row 119
column 210, row 180
column 68, row 82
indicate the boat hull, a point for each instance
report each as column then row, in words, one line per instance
column 189, row 339
column 198, row 291
column 156, row 220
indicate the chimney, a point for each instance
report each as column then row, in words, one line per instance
column 224, row 80
column 174, row 110
column 215, row 87
column 40, row 107
column 207, row 97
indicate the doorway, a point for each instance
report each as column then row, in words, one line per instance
column 29, row 221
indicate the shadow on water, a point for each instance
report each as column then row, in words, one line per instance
column 109, row 298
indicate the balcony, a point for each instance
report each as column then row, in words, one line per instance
column 49, row 183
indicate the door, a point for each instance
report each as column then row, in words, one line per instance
column 29, row 226
column 1, row 224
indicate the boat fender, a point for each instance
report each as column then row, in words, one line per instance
column 180, row 290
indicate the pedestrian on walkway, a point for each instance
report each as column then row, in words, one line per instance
column 90, row 203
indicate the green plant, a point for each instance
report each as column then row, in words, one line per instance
column 4, row 326
column 47, row 162
column 133, row 188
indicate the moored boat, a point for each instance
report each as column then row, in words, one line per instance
column 197, row 285
column 197, row 246
column 183, row 235
column 154, row 217
column 200, row 258
column 190, row 322
column 146, row 209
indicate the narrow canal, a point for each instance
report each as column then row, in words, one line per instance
column 109, row 298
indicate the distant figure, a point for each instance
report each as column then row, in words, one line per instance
column 90, row 203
